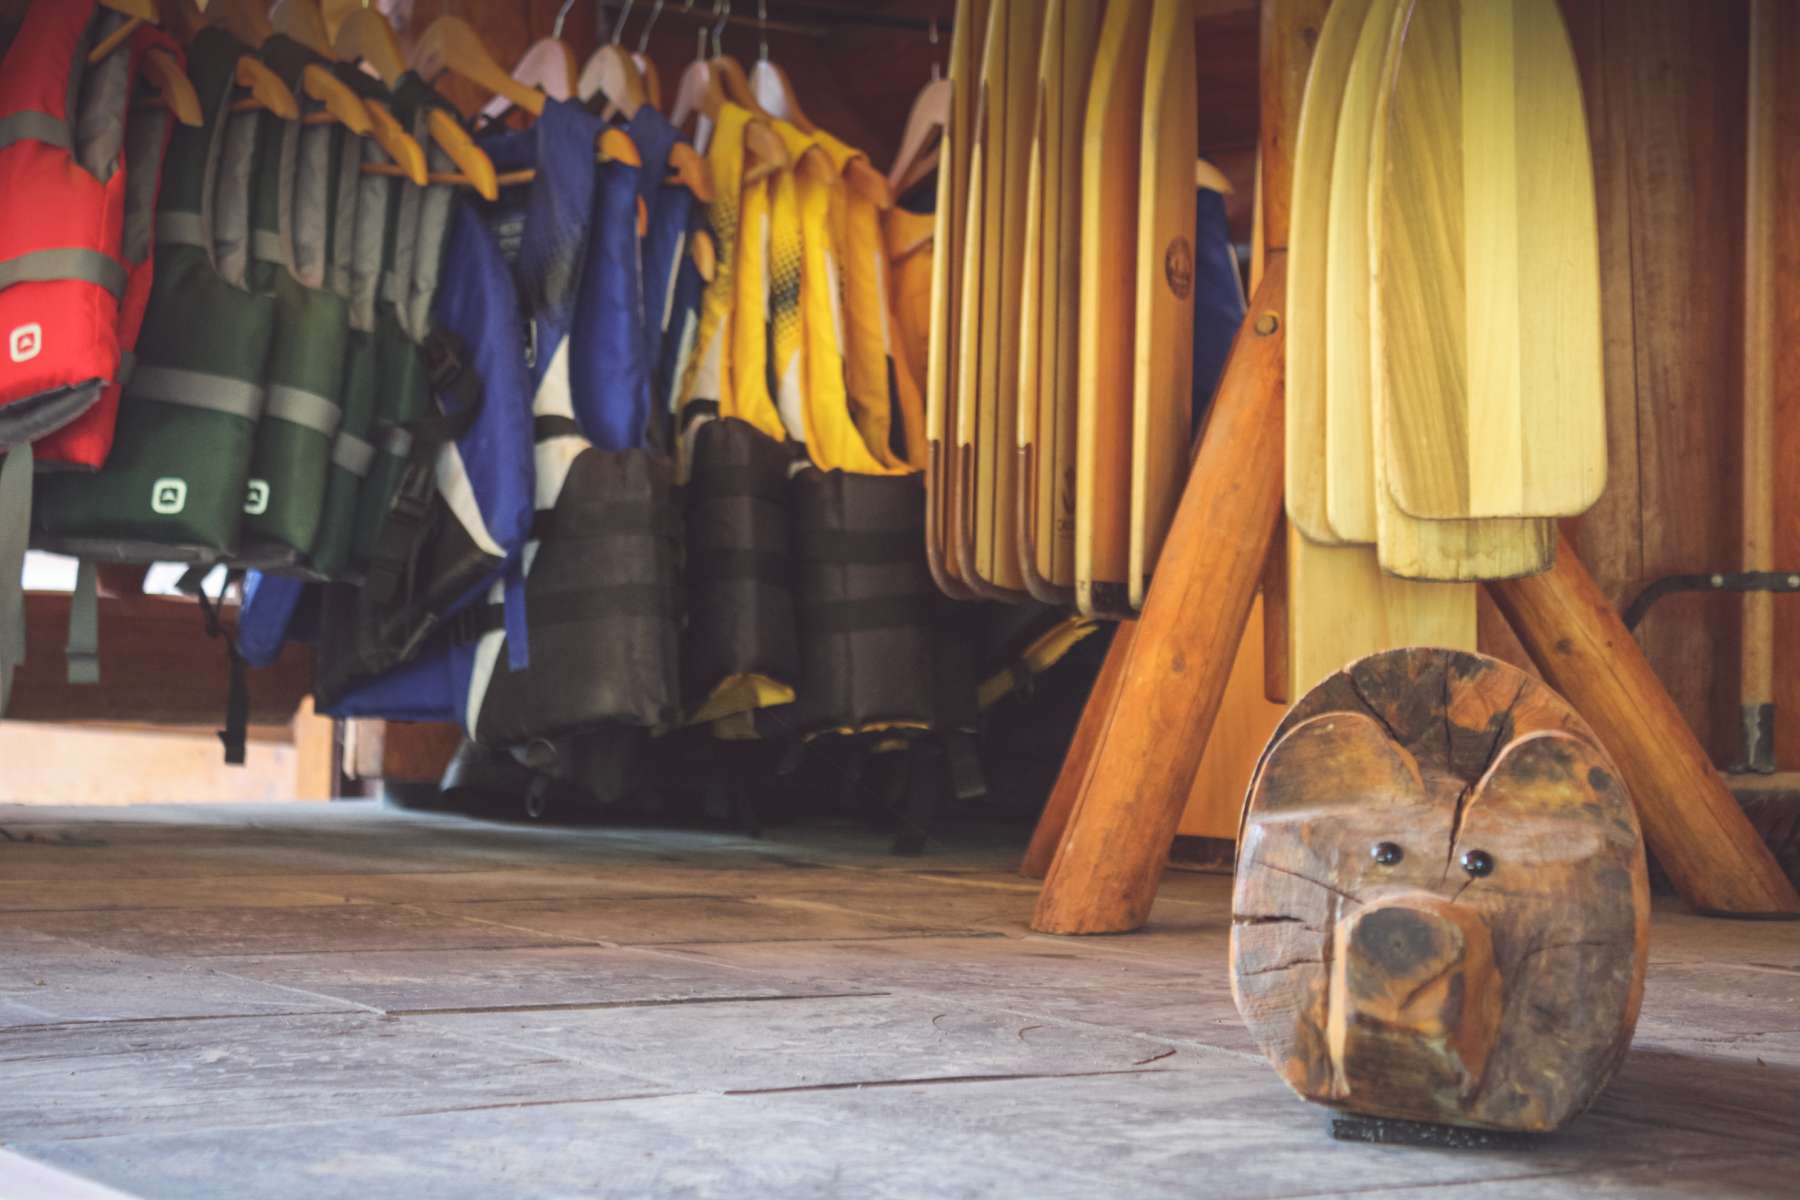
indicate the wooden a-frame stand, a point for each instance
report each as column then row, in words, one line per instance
column 1104, row 838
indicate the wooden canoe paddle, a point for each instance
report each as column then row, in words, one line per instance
column 1111, row 137
column 1411, row 547
column 1009, row 95
column 1048, row 360
column 1307, row 463
column 1341, row 604
column 946, row 279
column 1489, row 287
column 1163, row 328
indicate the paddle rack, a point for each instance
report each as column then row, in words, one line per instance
column 1105, row 835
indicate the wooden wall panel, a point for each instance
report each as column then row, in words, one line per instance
column 1787, row 383
column 1664, row 81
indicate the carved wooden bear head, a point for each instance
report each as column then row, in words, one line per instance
column 1441, row 908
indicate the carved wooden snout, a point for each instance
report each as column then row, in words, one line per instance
column 1415, row 1000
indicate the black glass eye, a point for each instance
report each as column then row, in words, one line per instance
column 1386, row 853
column 1478, row 863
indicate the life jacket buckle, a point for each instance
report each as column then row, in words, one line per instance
column 443, row 359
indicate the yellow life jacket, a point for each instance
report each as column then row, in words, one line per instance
column 787, row 323
column 834, row 440
column 861, row 258
column 909, row 251
column 708, row 374
column 750, row 400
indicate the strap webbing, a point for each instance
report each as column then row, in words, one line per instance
column 352, row 454
column 127, row 364
column 181, row 229
column 395, row 440
column 15, row 533
column 297, row 406
column 266, row 246
column 546, row 427
column 83, row 650
column 237, row 698
column 69, row 262
column 32, row 126
column 198, row 389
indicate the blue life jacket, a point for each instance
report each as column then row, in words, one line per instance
column 609, row 364
column 671, row 208
column 1218, row 298
column 600, row 569
column 484, row 478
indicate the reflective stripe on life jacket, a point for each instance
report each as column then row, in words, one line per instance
column 62, row 200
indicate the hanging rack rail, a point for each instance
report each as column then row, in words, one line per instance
column 807, row 18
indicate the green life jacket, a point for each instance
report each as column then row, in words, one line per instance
column 400, row 479
column 290, row 241
column 403, row 393
column 173, row 485
column 360, row 244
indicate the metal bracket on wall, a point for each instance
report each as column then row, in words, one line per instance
column 1758, row 719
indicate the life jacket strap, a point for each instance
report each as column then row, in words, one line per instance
column 15, row 534
column 407, row 525
column 83, row 649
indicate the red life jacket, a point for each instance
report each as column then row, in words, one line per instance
column 84, row 442
column 60, row 222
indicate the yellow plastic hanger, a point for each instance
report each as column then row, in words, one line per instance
column 341, row 104
column 173, row 87
column 143, row 10
column 266, row 90
column 408, row 155
column 449, row 44
column 477, row 167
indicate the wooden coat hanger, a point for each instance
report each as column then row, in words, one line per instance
column 925, row 124
column 691, row 88
column 245, row 20
column 549, row 66
column 341, row 103
column 774, row 95
column 139, row 11
column 173, row 87
column 612, row 72
column 450, row 44
column 640, row 58
column 364, row 35
column 302, row 21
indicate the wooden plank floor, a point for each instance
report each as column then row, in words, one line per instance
column 356, row 1001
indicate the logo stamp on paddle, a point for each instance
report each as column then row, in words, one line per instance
column 1178, row 267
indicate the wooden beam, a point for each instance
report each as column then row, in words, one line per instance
column 1053, row 822
column 1179, row 660
column 1697, row 830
